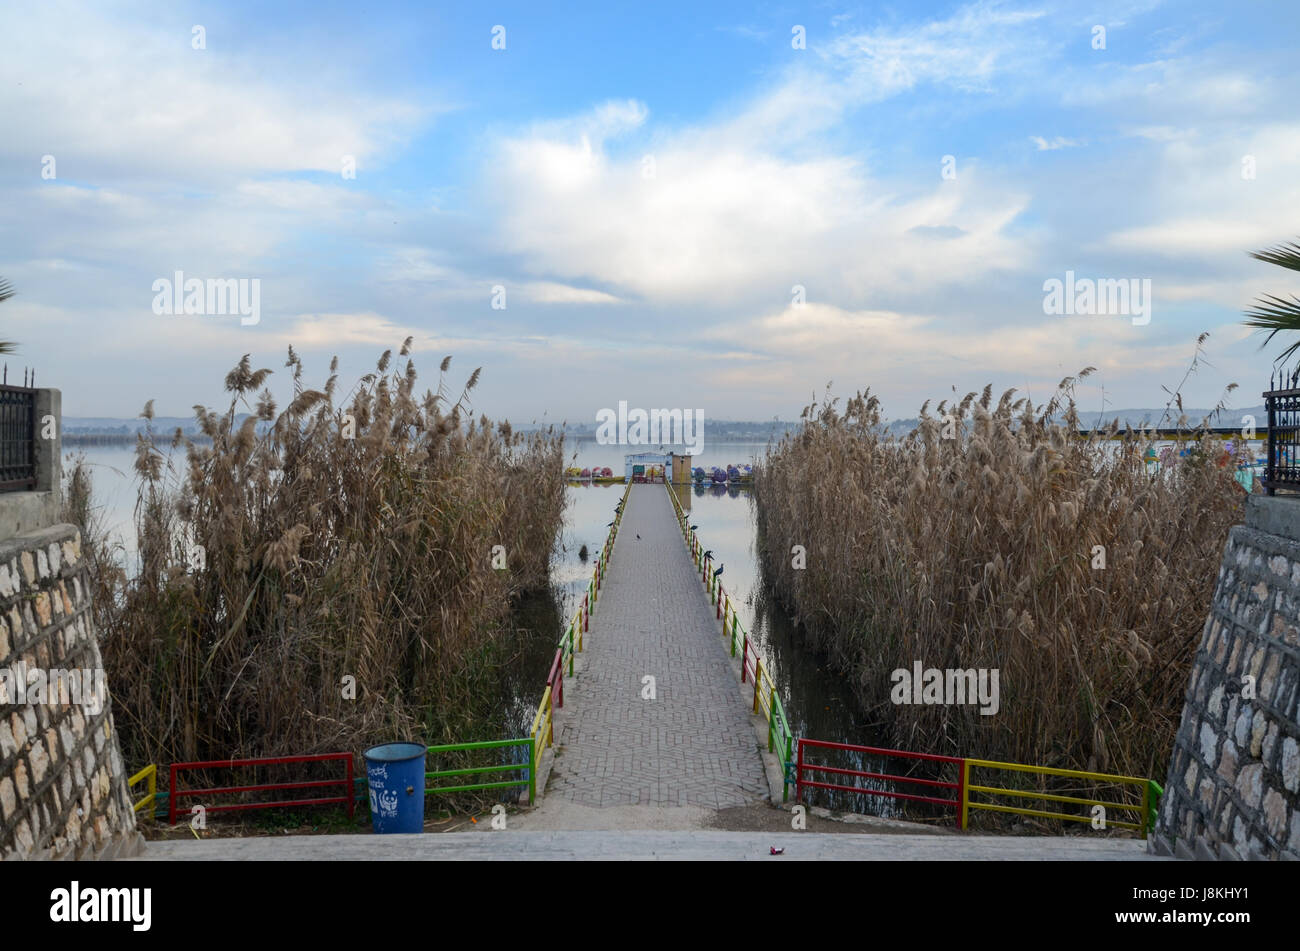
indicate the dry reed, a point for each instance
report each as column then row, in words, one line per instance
column 978, row 551
column 326, row 541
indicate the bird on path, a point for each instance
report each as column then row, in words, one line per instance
column 638, row 536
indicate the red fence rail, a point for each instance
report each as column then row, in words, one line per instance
column 555, row 679
column 176, row 793
column 802, row 767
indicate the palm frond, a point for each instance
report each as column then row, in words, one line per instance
column 1275, row 315
column 1284, row 255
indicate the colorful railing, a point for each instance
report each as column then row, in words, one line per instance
column 540, row 736
column 767, row 702
column 803, row 766
column 542, row 732
column 147, row 775
column 962, row 800
column 175, row 793
column 529, row 782
column 753, row 669
column 1150, row 793
column 799, row 771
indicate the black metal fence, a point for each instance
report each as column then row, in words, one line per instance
column 17, row 438
column 1282, row 402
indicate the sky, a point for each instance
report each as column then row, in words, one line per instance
column 724, row 207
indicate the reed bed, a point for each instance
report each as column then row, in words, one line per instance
column 972, row 542
column 334, row 539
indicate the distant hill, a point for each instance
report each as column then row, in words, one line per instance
column 109, row 424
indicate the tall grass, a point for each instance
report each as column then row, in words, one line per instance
column 979, row 550
column 333, row 539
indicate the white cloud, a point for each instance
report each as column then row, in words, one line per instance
column 140, row 100
column 719, row 222
column 1058, row 142
column 548, row 292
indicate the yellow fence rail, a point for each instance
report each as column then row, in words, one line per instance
column 1149, row 792
column 150, row 775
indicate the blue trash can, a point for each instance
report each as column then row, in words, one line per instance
column 395, row 775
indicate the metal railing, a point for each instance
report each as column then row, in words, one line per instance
column 149, row 775
column 529, row 782
column 542, row 732
column 1282, row 405
column 175, row 793
column 956, row 803
column 17, row 438
column 753, row 668
column 1145, row 808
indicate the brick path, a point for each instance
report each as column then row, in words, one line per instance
column 694, row 743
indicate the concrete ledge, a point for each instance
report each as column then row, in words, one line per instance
column 1275, row 514
column 695, row 844
column 23, row 512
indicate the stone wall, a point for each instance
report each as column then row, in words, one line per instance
column 1233, row 788
column 62, row 780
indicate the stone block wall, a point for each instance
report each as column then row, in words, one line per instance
column 1233, row 787
column 63, row 790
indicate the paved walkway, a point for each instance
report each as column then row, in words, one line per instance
column 693, row 744
column 698, row 845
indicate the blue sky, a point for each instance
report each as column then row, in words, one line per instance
column 528, row 168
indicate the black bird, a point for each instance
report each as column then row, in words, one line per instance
column 719, row 571
column 694, row 527
column 708, row 554
column 638, row 536
column 611, row 523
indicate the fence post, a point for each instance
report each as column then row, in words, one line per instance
column 352, row 792
column 733, row 635
column 785, row 764
column 744, row 658
column 771, row 719
column 532, row 771
column 963, row 793
column 798, row 775
column 1269, row 470
column 758, row 678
